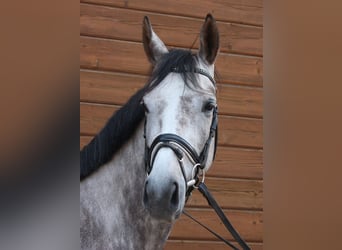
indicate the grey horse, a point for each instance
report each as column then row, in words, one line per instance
column 134, row 183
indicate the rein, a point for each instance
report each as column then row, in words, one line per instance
column 182, row 148
column 212, row 202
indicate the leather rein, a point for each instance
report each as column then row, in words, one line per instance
column 183, row 148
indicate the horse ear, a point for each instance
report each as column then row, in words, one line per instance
column 154, row 47
column 209, row 40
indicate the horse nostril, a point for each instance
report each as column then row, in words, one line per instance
column 175, row 196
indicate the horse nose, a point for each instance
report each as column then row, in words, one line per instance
column 162, row 202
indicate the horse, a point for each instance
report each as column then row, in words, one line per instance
column 138, row 171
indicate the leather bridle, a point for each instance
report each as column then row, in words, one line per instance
column 183, row 148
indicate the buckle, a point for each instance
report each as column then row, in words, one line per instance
column 195, row 181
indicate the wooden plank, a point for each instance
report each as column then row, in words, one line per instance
column 129, row 57
column 237, row 163
column 241, row 132
column 110, row 88
column 102, row 54
column 231, row 193
column 248, row 224
column 247, row 11
column 240, row 101
column 126, row 24
column 205, row 245
column 116, row 88
column 239, row 70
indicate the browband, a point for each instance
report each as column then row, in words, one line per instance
column 196, row 70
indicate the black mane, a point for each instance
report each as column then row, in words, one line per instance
column 121, row 126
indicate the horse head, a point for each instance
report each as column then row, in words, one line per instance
column 180, row 119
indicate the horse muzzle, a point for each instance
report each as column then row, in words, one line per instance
column 164, row 193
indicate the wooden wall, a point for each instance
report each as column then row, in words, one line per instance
column 114, row 66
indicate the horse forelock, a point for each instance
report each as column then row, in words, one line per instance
column 183, row 60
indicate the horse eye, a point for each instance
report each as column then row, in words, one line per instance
column 208, row 106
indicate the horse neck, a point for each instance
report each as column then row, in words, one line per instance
column 113, row 196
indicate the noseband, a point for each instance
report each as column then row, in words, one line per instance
column 183, row 148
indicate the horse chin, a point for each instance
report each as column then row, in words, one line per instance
column 163, row 216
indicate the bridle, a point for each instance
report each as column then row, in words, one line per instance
column 183, row 148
